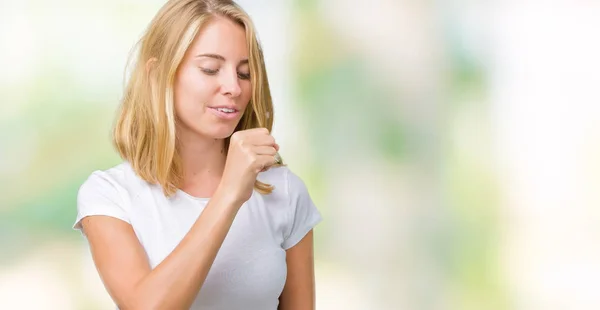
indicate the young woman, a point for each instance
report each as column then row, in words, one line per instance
column 201, row 214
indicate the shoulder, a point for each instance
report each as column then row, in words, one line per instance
column 286, row 183
column 106, row 192
column 283, row 179
column 300, row 214
column 117, row 180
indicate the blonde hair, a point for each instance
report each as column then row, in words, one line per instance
column 144, row 132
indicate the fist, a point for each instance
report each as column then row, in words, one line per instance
column 250, row 152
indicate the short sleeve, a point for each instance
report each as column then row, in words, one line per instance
column 303, row 214
column 100, row 194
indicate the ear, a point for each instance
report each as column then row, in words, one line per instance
column 150, row 64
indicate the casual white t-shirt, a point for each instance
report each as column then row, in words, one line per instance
column 250, row 270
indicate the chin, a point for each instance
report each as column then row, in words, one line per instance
column 219, row 132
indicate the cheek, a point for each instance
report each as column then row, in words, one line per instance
column 246, row 92
column 191, row 91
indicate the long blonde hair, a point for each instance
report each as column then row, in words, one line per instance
column 144, row 132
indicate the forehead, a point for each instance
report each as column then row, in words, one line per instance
column 223, row 37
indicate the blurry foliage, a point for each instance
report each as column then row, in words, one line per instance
column 340, row 99
column 60, row 133
column 471, row 188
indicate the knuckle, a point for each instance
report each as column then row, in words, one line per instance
column 241, row 143
column 236, row 139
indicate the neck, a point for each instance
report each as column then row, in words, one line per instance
column 203, row 161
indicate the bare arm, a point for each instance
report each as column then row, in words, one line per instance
column 299, row 290
column 175, row 282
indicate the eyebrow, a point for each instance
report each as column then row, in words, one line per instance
column 219, row 57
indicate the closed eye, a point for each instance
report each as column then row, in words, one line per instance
column 242, row 76
column 209, row 71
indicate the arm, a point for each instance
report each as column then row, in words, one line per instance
column 299, row 290
column 175, row 282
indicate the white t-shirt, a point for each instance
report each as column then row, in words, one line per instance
column 250, row 270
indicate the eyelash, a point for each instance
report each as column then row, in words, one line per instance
column 242, row 76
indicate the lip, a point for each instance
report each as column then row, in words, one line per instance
column 231, row 107
column 223, row 115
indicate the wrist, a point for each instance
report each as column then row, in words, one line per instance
column 227, row 199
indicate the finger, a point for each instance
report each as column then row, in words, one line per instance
column 261, row 140
column 243, row 134
column 265, row 162
column 259, row 130
column 264, row 150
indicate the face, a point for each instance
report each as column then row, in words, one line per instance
column 212, row 86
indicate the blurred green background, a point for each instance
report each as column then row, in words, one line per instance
column 452, row 146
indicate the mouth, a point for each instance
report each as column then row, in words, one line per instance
column 225, row 113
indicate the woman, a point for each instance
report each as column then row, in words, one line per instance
column 201, row 214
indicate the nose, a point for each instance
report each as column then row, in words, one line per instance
column 230, row 84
